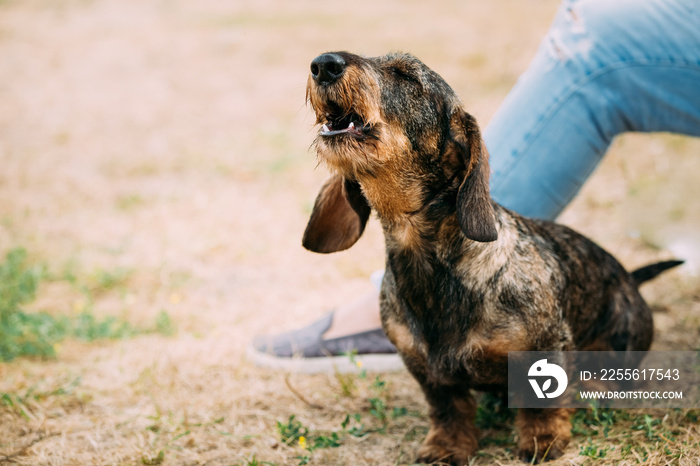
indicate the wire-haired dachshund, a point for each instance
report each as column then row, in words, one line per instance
column 466, row 279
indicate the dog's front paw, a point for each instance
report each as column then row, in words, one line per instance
column 437, row 454
column 544, row 434
column 446, row 446
column 543, row 449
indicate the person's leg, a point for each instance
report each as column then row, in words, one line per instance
column 359, row 315
column 604, row 68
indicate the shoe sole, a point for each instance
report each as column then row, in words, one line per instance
column 327, row 365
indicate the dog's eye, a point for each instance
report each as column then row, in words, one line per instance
column 404, row 74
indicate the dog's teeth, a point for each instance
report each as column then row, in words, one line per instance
column 351, row 125
column 326, row 128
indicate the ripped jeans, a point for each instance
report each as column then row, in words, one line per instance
column 604, row 68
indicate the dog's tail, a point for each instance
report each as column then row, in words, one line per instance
column 650, row 271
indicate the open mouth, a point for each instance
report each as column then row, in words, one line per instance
column 338, row 123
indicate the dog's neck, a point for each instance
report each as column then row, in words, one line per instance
column 440, row 275
column 411, row 219
column 425, row 226
column 421, row 245
column 391, row 192
column 431, row 236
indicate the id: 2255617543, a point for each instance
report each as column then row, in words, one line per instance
column 633, row 374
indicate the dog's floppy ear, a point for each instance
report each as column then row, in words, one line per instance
column 475, row 212
column 339, row 216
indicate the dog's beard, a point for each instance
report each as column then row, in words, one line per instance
column 345, row 154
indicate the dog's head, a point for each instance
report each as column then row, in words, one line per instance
column 397, row 137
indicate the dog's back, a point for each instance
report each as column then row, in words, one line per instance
column 540, row 286
column 599, row 300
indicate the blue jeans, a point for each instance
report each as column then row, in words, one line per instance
column 604, row 68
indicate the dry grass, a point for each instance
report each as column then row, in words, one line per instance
column 170, row 139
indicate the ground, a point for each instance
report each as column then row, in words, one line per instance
column 166, row 143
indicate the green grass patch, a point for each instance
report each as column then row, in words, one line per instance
column 253, row 461
column 24, row 404
column 377, row 416
column 36, row 334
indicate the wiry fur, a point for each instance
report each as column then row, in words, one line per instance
column 466, row 280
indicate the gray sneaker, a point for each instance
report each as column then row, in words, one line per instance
column 305, row 350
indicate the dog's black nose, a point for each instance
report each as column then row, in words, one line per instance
column 327, row 68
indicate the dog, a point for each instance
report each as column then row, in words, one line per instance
column 466, row 279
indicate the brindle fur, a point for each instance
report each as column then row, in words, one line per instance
column 466, row 279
